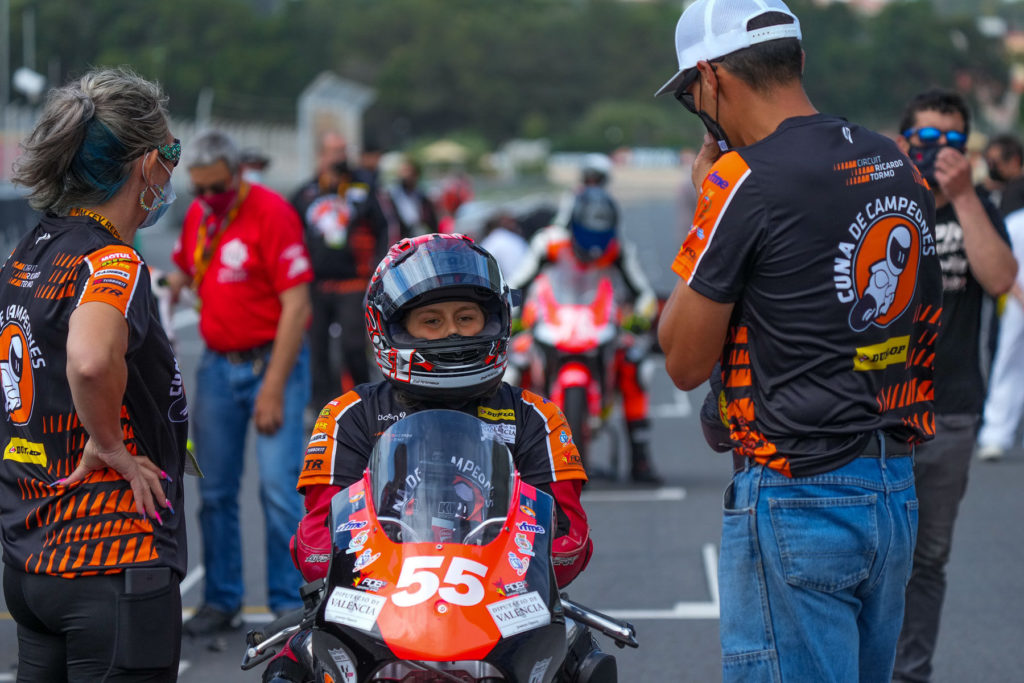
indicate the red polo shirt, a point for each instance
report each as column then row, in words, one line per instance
column 260, row 254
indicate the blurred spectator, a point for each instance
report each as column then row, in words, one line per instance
column 1004, row 404
column 331, row 150
column 413, row 207
column 347, row 234
column 241, row 251
column 1003, row 158
column 456, row 190
column 252, row 163
column 536, row 219
column 368, row 171
column 976, row 259
column 504, row 240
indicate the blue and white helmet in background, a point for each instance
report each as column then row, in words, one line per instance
column 594, row 224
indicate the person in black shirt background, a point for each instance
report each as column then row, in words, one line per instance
column 976, row 259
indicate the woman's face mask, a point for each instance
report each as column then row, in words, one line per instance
column 164, row 196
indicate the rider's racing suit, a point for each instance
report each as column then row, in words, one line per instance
column 552, row 248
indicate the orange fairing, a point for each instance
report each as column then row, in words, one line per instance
column 443, row 601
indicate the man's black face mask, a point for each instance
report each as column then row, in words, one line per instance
column 924, row 159
column 685, row 98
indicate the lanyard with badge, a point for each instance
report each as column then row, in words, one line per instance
column 203, row 254
column 102, row 220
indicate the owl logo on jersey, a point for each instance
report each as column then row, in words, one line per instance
column 16, row 374
column 885, row 273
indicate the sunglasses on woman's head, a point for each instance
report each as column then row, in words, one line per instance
column 171, row 151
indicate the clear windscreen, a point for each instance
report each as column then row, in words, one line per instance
column 441, row 476
column 574, row 285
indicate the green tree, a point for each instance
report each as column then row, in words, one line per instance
column 572, row 70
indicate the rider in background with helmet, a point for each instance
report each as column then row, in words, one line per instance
column 595, row 171
column 592, row 240
column 438, row 313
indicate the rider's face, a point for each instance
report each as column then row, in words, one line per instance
column 443, row 319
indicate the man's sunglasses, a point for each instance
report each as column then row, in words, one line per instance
column 216, row 188
column 929, row 135
column 682, row 92
column 171, row 151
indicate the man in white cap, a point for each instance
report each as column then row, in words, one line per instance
column 824, row 390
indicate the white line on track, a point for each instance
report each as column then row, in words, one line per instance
column 678, row 408
column 683, row 610
column 665, row 493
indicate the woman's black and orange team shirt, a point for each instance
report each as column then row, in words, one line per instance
column 92, row 528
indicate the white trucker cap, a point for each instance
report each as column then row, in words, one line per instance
column 709, row 29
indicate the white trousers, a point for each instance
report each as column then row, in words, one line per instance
column 1004, row 404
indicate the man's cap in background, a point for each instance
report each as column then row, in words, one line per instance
column 251, row 156
column 709, row 29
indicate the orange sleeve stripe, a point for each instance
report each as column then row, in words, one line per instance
column 563, row 456
column 730, row 170
column 114, row 275
column 548, row 410
column 326, row 425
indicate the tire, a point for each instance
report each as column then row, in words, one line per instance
column 577, row 413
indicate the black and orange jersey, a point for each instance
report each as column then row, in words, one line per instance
column 347, row 428
column 92, row 527
column 823, row 236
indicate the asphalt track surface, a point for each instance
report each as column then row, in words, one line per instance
column 656, row 550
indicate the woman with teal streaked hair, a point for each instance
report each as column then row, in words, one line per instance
column 96, row 418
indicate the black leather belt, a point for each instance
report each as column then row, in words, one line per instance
column 893, row 447
column 249, row 355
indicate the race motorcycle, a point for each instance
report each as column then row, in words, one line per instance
column 572, row 324
column 441, row 570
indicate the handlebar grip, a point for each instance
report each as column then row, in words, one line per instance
column 622, row 632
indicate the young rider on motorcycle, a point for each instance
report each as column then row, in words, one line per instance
column 438, row 317
column 591, row 241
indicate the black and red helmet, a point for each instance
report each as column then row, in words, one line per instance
column 429, row 269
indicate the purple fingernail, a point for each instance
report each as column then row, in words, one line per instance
column 59, row 482
column 165, row 475
column 170, row 507
column 157, row 515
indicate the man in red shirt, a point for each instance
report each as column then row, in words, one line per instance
column 242, row 252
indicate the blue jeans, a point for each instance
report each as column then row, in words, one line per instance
column 813, row 571
column 224, row 399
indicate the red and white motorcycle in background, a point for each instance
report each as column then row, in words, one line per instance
column 568, row 347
